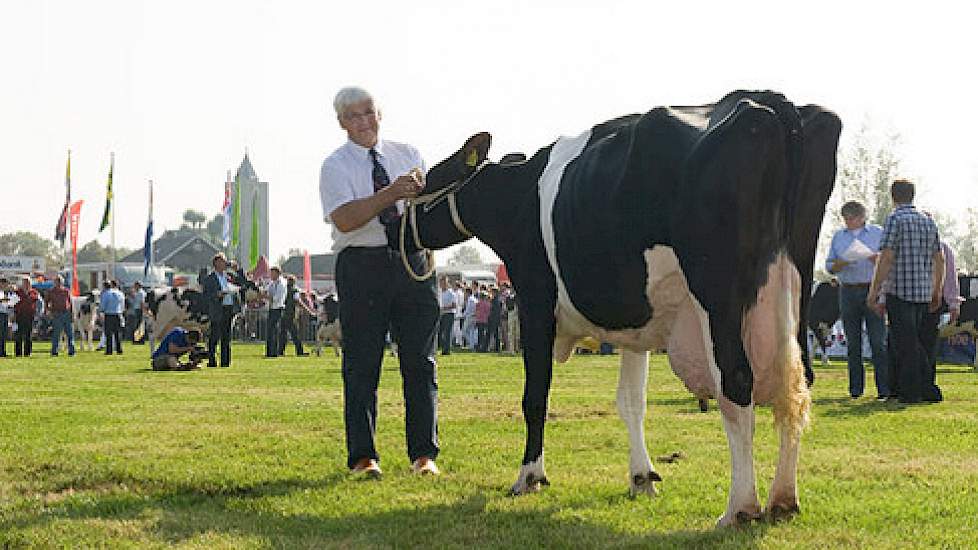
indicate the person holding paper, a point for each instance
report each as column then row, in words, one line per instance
column 852, row 258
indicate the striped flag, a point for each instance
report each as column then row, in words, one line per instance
column 253, row 253
column 61, row 230
column 236, row 213
column 108, row 198
column 148, row 242
column 226, row 210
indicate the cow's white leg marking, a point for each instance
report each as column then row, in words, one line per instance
column 632, row 383
column 530, row 478
column 783, row 498
column 738, row 423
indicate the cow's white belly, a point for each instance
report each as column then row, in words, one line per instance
column 678, row 324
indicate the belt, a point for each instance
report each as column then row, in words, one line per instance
column 855, row 285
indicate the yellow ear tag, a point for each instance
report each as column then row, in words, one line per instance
column 472, row 159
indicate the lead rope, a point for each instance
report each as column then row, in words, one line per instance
column 409, row 211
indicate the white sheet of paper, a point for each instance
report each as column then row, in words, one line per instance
column 857, row 251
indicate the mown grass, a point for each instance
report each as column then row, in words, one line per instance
column 98, row 451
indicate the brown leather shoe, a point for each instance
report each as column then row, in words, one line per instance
column 425, row 466
column 366, row 467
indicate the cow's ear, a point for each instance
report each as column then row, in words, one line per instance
column 475, row 151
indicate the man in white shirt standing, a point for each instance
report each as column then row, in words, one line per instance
column 446, row 300
column 362, row 186
column 276, row 304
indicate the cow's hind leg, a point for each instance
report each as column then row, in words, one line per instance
column 632, row 384
column 738, row 422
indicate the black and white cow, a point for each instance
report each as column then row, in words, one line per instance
column 329, row 330
column 84, row 310
column 686, row 228
column 175, row 307
column 823, row 314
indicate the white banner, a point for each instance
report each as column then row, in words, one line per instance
column 21, row 264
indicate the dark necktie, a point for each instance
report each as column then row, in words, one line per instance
column 381, row 180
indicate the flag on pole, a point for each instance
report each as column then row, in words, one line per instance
column 74, row 212
column 108, row 197
column 62, row 228
column 226, row 210
column 236, row 213
column 253, row 252
column 148, row 243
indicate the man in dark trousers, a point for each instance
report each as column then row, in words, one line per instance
column 112, row 304
column 287, row 325
column 276, row 294
column 911, row 264
column 220, row 288
column 361, row 186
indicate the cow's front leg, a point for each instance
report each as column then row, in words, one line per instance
column 738, row 422
column 538, row 337
column 632, row 383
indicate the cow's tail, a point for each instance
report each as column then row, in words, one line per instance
column 792, row 401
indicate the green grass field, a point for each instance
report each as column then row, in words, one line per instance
column 101, row 452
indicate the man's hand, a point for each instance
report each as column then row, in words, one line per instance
column 875, row 306
column 838, row 265
column 405, row 187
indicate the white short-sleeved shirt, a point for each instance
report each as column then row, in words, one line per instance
column 347, row 175
column 276, row 293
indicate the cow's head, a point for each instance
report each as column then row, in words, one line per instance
column 449, row 181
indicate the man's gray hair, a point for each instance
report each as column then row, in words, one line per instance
column 348, row 96
column 853, row 209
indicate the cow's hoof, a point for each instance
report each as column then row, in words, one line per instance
column 740, row 519
column 529, row 484
column 781, row 512
column 643, row 484
column 531, row 478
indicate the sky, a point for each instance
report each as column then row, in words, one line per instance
column 179, row 90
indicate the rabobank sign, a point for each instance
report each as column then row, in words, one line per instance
column 21, row 264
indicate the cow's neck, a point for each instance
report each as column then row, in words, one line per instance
column 505, row 195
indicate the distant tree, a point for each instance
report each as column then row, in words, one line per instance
column 26, row 243
column 215, row 229
column 965, row 243
column 866, row 168
column 194, row 218
column 93, row 252
column 465, row 255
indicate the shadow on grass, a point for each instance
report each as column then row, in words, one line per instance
column 184, row 514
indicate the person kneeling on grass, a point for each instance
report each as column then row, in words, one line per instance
column 176, row 343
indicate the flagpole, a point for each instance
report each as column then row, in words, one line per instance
column 112, row 222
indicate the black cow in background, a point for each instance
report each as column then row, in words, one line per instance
column 823, row 314
column 686, row 228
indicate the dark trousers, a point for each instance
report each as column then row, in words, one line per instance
column 4, row 319
column 22, row 338
column 932, row 392
column 852, row 307
column 492, row 341
column 288, row 329
column 272, row 347
column 483, row 332
column 113, row 332
column 908, row 331
column 445, row 332
column 220, row 331
column 377, row 295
